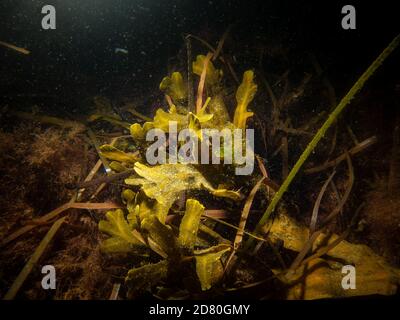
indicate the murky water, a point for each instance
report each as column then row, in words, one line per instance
column 83, row 82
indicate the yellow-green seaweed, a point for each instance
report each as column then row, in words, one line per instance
column 190, row 224
column 113, row 153
column 244, row 95
column 122, row 239
column 175, row 87
column 208, row 265
column 213, row 75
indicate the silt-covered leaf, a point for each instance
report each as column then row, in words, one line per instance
column 218, row 109
column 161, row 234
column 208, row 265
column 165, row 182
column 143, row 278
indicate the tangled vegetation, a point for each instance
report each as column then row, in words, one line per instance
column 154, row 189
column 162, row 218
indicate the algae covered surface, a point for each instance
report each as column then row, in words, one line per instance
column 200, row 151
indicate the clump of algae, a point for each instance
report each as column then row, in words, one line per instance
column 154, row 189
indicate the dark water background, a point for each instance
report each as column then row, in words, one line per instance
column 88, row 31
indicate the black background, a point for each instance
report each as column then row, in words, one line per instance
column 89, row 31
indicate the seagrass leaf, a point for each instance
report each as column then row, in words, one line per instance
column 112, row 153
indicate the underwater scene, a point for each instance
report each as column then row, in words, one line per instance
column 199, row 150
